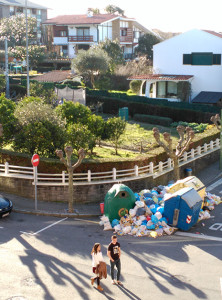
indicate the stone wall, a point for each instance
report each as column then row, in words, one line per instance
column 95, row 192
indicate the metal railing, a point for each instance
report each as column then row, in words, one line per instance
column 80, row 38
column 109, row 176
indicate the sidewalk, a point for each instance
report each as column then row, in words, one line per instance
column 25, row 205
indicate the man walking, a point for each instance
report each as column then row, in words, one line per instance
column 114, row 254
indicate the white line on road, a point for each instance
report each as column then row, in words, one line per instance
column 53, row 224
column 1, row 227
column 221, row 285
column 215, row 184
column 199, row 236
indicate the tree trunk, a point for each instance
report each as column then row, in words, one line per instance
column 71, row 210
column 176, row 169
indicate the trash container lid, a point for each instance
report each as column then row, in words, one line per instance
column 188, row 169
column 191, row 197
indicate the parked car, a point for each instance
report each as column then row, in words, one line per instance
column 5, row 206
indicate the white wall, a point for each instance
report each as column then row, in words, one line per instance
column 168, row 59
column 60, row 40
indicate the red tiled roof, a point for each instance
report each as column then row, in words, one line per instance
column 161, row 77
column 214, row 33
column 54, row 76
column 80, row 19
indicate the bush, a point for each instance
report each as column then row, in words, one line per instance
column 135, row 86
column 143, row 105
column 18, row 89
column 164, row 121
column 195, row 126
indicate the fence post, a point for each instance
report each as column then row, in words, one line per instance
column 217, row 142
column 185, row 156
column 205, row 147
column 211, row 145
column 169, row 163
column 63, row 177
column 114, row 173
column 6, row 168
column 136, row 168
column 192, row 153
column 89, row 176
column 161, row 166
column 199, row 150
column 151, row 167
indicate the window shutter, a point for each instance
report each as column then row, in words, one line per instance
column 187, row 59
column 217, row 59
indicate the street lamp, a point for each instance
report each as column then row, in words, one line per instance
column 27, row 50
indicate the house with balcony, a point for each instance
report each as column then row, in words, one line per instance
column 16, row 7
column 191, row 59
column 71, row 33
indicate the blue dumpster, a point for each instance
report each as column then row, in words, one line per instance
column 182, row 208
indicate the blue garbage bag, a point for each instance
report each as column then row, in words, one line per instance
column 114, row 223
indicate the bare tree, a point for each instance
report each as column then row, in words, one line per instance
column 216, row 120
column 70, row 168
column 186, row 136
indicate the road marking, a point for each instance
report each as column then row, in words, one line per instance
column 215, row 184
column 199, row 236
column 221, row 285
column 216, row 226
column 53, row 224
column 1, row 227
column 94, row 222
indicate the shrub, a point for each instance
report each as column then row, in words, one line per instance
column 164, row 121
column 195, row 126
column 135, row 86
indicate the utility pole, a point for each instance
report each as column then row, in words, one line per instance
column 27, row 49
column 6, row 69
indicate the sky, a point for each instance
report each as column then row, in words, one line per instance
column 166, row 15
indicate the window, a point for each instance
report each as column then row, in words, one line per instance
column 63, row 33
column 19, row 10
column 123, row 32
column 124, row 24
column 166, row 89
column 202, row 59
column 34, row 11
column 82, row 31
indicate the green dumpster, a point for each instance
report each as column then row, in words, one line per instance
column 118, row 201
column 124, row 113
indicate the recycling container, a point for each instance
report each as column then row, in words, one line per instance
column 190, row 181
column 118, row 201
column 182, row 208
column 124, row 113
column 188, row 172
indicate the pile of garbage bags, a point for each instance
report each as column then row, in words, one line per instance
column 147, row 216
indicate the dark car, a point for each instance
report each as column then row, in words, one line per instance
column 5, row 206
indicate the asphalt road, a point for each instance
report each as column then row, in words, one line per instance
column 49, row 258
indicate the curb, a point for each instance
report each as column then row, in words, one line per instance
column 55, row 214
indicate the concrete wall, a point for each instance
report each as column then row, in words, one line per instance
column 94, row 193
column 168, row 59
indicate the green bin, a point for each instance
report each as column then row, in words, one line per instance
column 124, row 113
column 118, row 201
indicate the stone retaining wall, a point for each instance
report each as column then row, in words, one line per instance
column 95, row 192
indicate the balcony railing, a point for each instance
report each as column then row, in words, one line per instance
column 79, row 38
column 126, row 39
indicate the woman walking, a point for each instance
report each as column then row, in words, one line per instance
column 97, row 257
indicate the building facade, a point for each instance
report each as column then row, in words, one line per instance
column 70, row 33
column 10, row 8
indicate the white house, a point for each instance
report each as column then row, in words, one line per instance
column 193, row 56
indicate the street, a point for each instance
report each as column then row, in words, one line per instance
column 49, row 258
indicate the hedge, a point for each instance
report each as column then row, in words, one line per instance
column 154, row 101
column 112, row 105
column 164, row 121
